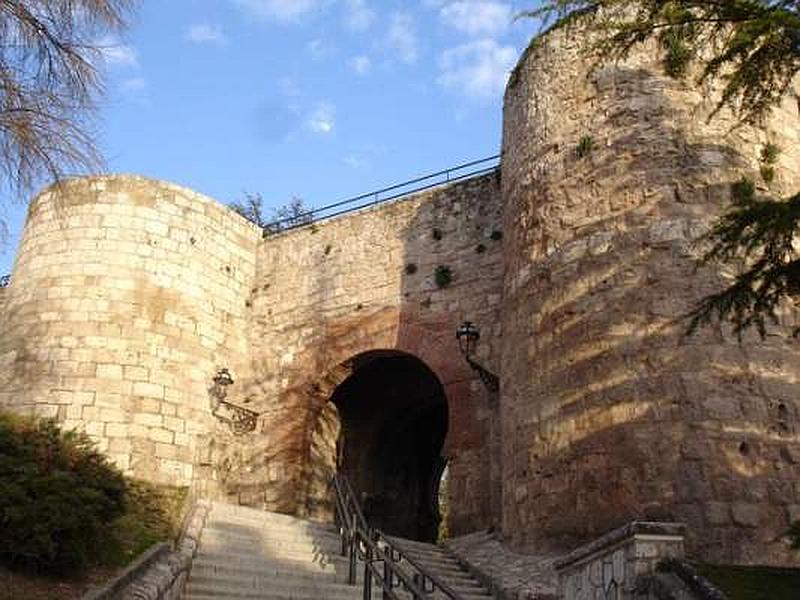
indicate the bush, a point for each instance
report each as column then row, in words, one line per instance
column 794, row 535
column 152, row 515
column 58, row 497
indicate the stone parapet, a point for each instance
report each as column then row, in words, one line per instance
column 162, row 571
column 614, row 565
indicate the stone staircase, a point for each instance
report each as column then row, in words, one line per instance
column 251, row 554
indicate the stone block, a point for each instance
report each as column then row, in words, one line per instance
column 161, row 435
column 116, row 430
column 746, row 515
column 147, row 419
column 148, row 390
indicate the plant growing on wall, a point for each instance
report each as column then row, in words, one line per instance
column 768, row 158
column 585, row 146
column 443, row 276
column 794, row 535
column 752, row 47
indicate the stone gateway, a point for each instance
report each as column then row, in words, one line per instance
column 577, row 259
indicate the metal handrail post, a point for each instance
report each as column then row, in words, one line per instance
column 368, row 572
column 353, row 558
column 388, row 577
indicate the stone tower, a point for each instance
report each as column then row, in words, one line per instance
column 609, row 413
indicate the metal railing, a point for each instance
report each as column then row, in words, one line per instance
column 385, row 563
column 394, row 192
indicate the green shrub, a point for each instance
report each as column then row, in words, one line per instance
column 585, row 146
column 58, row 496
column 794, row 535
column 443, row 276
column 152, row 515
column 769, row 153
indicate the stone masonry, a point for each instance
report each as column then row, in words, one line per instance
column 128, row 295
column 611, row 414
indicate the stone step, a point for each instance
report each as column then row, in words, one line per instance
column 266, row 553
column 265, row 540
column 195, row 592
column 247, row 553
column 313, row 529
column 219, row 509
column 339, row 571
column 327, row 564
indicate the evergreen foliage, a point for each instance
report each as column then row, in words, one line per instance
column 753, row 46
column 758, row 232
column 794, row 535
column 58, row 496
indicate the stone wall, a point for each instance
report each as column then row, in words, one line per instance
column 127, row 295
column 325, row 294
column 609, row 413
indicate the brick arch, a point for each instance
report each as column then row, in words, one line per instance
column 387, row 439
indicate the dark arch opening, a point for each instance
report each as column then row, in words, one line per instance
column 394, row 417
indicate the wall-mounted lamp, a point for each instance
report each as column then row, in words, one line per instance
column 241, row 420
column 468, row 335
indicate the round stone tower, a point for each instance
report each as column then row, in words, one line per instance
column 610, row 413
column 126, row 296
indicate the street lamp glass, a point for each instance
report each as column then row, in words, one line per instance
column 467, row 335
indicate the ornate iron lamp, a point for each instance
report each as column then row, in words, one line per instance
column 241, row 420
column 468, row 336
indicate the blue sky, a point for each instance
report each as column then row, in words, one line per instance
column 320, row 99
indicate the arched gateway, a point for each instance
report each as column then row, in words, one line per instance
column 393, row 422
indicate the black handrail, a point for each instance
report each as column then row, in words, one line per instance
column 371, row 546
column 450, row 175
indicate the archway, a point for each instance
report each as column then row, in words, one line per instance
column 394, row 419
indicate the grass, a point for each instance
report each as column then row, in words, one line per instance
column 753, row 583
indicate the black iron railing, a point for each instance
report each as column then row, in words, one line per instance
column 384, row 562
column 394, row 192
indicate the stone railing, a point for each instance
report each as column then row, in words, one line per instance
column 615, row 565
column 162, row 571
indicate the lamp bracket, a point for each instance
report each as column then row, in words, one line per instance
column 489, row 379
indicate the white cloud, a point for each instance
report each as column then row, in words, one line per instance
column 478, row 17
column 358, row 16
column 134, row 84
column 319, row 49
column 203, row 33
column 288, row 87
column 134, row 89
column 360, row 64
column 402, row 38
column 117, row 54
column 285, row 11
column 355, row 162
column 480, row 68
column 322, row 118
